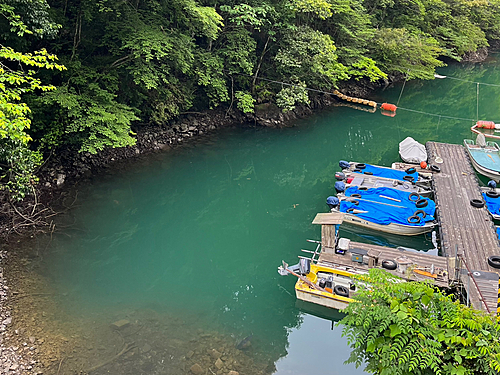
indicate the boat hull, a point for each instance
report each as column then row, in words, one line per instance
column 402, row 230
column 475, row 152
column 318, row 299
column 485, row 171
column 305, row 292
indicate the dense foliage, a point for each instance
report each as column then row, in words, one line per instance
column 413, row 328
column 147, row 62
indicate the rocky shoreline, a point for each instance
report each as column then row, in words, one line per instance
column 14, row 360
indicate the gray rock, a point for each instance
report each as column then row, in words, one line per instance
column 196, row 369
column 219, row 364
column 120, row 324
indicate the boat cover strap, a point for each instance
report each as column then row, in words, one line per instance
column 389, row 173
column 374, row 206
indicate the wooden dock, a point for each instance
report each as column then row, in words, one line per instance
column 464, row 230
column 414, row 266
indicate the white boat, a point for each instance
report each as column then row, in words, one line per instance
column 369, row 182
column 393, row 228
column 485, row 157
column 411, row 151
column 410, row 174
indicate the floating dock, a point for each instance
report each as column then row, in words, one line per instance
column 466, row 232
column 467, row 236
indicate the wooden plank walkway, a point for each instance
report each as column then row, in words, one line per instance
column 464, row 229
column 407, row 260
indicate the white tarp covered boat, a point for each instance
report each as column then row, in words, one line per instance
column 411, row 151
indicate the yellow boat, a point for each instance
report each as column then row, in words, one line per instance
column 326, row 286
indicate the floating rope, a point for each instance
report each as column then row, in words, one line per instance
column 373, row 103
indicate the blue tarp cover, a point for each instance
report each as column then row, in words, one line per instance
column 493, row 204
column 389, row 173
column 386, row 211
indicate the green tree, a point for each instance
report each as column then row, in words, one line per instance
column 398, row 327
column 17, row 78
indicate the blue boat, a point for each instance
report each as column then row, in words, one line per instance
column 386, row 210
column 485, row 157
column 409, row 175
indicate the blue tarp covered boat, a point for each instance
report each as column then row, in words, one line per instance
column 388, row 210
column 410, row 174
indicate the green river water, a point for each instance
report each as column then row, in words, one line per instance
column 185, row 245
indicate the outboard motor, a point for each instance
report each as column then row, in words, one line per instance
column 492, row 184
column 332, row 202
column 329, row 282
column 344, row 164
column 340, row 176
column 322, row 283
column 304, row 266
column 339, row 187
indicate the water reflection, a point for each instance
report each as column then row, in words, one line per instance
column 312, row 346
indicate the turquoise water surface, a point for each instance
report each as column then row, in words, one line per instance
column 199, row 232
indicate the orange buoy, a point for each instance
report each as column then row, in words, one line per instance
column 485, row 124
column 388, row 107
column 423, row 165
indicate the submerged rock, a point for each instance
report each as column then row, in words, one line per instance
column 196, row 369
column 120, row 324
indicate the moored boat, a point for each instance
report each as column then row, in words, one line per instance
column 410, row 151
column 410, row 174
column 369, row 182
column 485, row 157
column 386, row 210
column 321, row 284
column 491, row 197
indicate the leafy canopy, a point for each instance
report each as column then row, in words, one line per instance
column 400, row 328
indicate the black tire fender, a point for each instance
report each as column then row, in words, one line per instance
column 478, row 203
column 420, row 212
column 362, row 188
column 349, row 210
column 341, row 290
column 389, row 264
column 421, row 203
column 356, row 195
column 494, row 261
column 415, row 195
column 360, row 166
column 435, row 168
column 492, row 194
column 414, row 219
column 411, row 170
column 368, row 173
column 408, row 178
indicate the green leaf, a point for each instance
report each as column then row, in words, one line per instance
column 395, row 330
